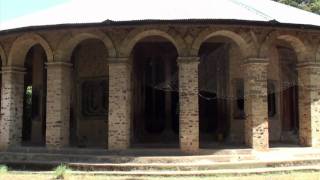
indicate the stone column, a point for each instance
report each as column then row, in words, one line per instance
column 119, row 115
column 58, row 104
column 11, row 107
column 189, row 105
column 256, row 103
column 309, row 104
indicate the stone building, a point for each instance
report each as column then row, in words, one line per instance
column 190, row 75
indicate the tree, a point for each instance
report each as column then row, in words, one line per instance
column 308, row 5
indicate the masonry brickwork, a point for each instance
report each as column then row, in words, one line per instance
column 11, row 107
column 58, row 105
column 309, row 103
column 256, row 107
column 189, row 108
column 119, row 103
column 247, row 42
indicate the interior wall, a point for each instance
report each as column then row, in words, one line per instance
column 90, row 95
column 274, row 76
column 289, row 116
column 278, row 74
column 236, row 84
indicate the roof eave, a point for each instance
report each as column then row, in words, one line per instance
column 111, row 23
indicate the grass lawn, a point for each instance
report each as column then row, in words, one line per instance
column 277, row 176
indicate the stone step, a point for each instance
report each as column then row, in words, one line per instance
column 158, row 159
column 203, row 173
column 116, row 159
column 193, row 166
column 126, row 167
column 130, row 152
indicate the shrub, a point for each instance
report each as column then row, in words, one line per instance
column 3, row 169
column 61, row 171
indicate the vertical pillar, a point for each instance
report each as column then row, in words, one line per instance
column 119, row 103
column 11, row 107
column 58, row 104
column 256, row 103
column 189, row 108
column 309, row 104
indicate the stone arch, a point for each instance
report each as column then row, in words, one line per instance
column 136, row 35
column 295, row 42
column 3, row 56
column 22, row 45
column 207, row 34
column 70, row 41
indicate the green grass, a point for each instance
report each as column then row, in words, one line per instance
column 297, row 175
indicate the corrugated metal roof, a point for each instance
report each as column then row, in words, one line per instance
column 95, row 11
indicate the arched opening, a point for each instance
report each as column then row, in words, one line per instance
column 283, row 108
column 155, row 93
column 34, row 99
column 221, row 104
column 1, row 59
column 89, row 95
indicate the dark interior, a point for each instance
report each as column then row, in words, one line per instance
column 213, row 101
column 155, row 93
column 34, row 101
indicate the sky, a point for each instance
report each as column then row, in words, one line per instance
column 10, row 9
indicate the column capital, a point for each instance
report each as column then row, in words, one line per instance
column 312, row 65
column 119, row 60
column 59, row 63
column 188, row 59
column 256, row 61
column 13, row 69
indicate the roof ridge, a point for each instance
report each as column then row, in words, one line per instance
column 256, row 11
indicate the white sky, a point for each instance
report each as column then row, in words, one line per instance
column 89, row 11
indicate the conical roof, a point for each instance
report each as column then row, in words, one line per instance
column 96, row 11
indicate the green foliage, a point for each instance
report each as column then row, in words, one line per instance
column 308, row 5
column 61, row 171
column 3, row 169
